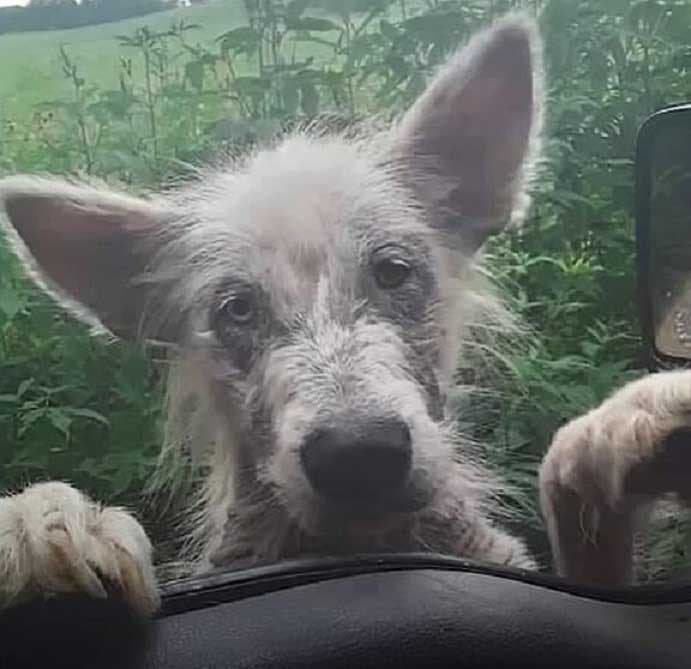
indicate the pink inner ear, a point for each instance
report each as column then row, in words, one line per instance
column 91, row 254
column 474, row 124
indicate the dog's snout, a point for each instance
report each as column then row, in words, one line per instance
column 358, row 463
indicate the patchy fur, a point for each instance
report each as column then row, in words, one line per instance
column 315, row 297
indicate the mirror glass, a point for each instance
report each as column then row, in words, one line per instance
column 667, row 280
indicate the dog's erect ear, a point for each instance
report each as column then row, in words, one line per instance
column 85, row 246
column 468, row 143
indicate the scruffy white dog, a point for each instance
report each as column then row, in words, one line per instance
column 317, row 296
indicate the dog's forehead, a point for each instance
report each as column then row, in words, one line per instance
column 309, row 206
column 301, row 221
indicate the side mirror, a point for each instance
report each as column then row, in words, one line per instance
column 663, row 236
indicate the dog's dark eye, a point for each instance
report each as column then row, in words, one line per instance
column 391, row 273
column 239, row 309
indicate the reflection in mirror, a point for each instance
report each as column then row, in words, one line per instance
column 670, row 236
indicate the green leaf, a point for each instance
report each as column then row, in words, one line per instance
column 87, row 413
column 11, row 302
column 291, row 96
column 389, row 30
column 311, row 24
column 309, row 99
column 28, row 419
column 23, row 387
column 309, row 37
column 251, row 85
column 243, row 40
column 121, row 480
column 295, row 8
column 59, row 420
column 194, row 73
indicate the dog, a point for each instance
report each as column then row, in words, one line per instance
column 316, row 295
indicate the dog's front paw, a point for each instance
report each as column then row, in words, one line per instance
column 603, row 468
column 53, row 539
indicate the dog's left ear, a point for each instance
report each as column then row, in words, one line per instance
column 468, row 144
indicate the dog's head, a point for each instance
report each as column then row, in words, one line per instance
column 317, row 287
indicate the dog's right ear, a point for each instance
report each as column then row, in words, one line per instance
column 88, row 247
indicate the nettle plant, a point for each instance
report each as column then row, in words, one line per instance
column 88, row 410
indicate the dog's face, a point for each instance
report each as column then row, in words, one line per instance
column 319, row 286
column 324, row 328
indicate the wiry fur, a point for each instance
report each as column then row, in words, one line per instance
column 298, row 229
column 374, row 182
column 195, row 423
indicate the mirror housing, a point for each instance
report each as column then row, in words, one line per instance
column 663, row 236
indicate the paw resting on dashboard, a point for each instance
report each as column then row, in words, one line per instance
column 53, row 539
column 605, row 468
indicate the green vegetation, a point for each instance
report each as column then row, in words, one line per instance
column 30, row 73
column 128, row 103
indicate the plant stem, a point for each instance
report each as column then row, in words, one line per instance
column 151, row 102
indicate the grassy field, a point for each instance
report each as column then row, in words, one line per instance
column 30, row 71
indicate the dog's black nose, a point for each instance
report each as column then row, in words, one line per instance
column 361, row 463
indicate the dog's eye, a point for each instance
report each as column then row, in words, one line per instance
column 239, row 309
column 391, row 273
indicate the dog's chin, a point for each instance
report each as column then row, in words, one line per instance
column 374, row 519
column 375, row 525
